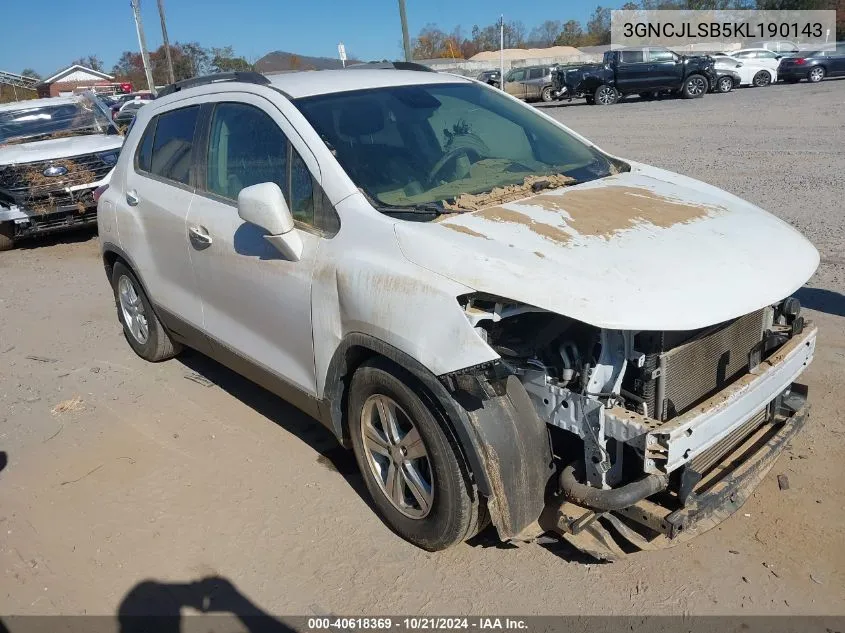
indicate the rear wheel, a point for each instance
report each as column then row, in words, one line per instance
column 725, row 84
column 694, row 87
column 409, row 463
column 605, row 95
column 761, row 79
column 816, row 74
column 143, row 331
column 7, row 236
column 546, row 95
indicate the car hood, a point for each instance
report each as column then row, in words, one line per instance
column 644, row 250
column 58, row 148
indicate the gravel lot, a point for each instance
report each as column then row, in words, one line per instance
column 152, row 475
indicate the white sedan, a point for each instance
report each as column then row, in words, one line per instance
column 769, row 60
column 751, row 72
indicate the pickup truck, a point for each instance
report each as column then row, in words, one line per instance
column 646, row 70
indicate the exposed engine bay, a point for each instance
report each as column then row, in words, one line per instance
column 655, row 411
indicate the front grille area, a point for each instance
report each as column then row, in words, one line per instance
column 31, row 189
column 683, row 368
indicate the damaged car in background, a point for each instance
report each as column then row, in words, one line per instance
column 505, row 323
column 54, row 153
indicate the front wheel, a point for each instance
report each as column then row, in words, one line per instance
column 816, row 74
column 546, row 95
column 725, row 84
column 694, row 87
column 761, row 79
column 411, row 468
column 7, row 236
column 605, row 95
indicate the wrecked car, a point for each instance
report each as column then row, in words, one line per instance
column 54, row 153
column 505, row 323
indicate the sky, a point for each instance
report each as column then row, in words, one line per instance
column 47, row 35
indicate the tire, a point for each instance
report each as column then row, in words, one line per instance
column 761, row 79
column 816, row 74
column 605, row 95
column 451, row 513
column 546, row 95
column 695, row 87
column 724, row 85
column 132, row 303
column 7, row 236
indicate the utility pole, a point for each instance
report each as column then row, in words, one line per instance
column 502, row 52
column 142, row 42
column 406, row 41
column 166, row 42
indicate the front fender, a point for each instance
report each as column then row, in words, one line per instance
column 502, row 439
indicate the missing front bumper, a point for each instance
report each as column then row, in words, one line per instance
column 664, row 521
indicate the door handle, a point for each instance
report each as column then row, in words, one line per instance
column 199, row 237
column 132, row 198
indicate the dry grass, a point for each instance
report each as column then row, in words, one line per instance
column 68, row 406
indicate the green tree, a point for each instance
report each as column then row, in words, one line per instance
column 571, row 34
column 224, row 60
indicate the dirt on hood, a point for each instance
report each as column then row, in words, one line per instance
column 41, row 188
column 509, row 193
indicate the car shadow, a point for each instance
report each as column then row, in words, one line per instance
column 156, row 607
column 4, row 460
column 822, row 300
column 331, row 454
column 75, row 235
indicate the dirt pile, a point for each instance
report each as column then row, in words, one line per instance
column 531, row 184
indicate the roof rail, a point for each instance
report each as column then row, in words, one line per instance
column 244, row 76
column 391, row 65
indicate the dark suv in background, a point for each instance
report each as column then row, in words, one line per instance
column 646, row 71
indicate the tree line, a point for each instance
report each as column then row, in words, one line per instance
column 189, row 60
column 433, row 42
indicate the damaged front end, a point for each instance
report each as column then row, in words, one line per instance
column 655, row 436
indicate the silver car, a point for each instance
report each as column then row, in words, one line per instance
column 531, row 83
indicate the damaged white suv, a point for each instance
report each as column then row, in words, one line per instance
column 503, row 322
column 54, row 153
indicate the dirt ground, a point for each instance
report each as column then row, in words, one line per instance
column 121, row 471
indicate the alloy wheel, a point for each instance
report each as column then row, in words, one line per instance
column 397, row 457
column 133, row 310
column 696, row 86
column 606, row 96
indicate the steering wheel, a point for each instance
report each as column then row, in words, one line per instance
column 450, row 156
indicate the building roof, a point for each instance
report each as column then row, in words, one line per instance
column 84, row 74
column 307, row 84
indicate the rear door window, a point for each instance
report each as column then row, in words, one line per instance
column 536, row 73
column 631, row 57
column 174, row 141
column 660, row 55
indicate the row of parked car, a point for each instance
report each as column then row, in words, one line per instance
column 649, row 71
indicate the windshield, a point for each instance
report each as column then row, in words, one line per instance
column 414, row 145
column 42, row 120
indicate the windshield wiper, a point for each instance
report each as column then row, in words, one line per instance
column 414, row 209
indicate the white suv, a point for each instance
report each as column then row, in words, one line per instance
column 494, row 314
column 54, row 153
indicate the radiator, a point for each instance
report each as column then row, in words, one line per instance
column 699, row 368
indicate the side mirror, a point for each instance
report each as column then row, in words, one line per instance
column 778, row 56
column 264, row 206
